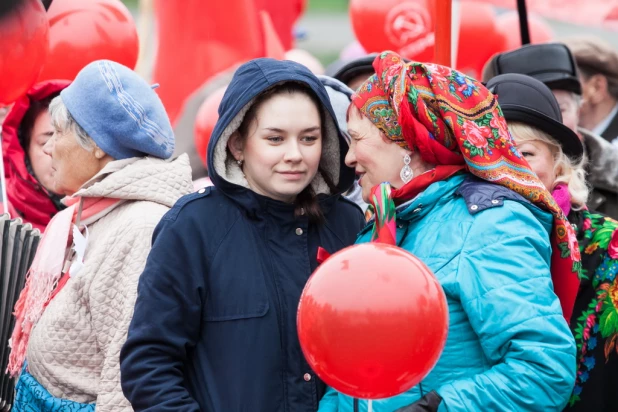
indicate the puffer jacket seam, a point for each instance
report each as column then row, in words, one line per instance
column 505, row 285
column 457, row 256
column 544, row 350
column 529, row 319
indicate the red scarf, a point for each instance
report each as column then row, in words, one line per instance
column 421, row 182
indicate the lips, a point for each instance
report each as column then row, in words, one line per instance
column 292, row 175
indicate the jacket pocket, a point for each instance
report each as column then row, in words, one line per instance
column 252, row 310
column 235, row 295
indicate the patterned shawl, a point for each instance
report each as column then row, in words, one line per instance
column 452, row 119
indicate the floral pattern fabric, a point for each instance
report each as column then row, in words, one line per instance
column 595, row 320
column 452, row 119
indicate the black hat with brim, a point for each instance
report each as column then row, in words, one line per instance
column 354, row 68
column 529, row 101
column 551, row 63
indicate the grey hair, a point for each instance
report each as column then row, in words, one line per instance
column 63, row 122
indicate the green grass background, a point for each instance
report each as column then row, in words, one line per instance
column 322, row 6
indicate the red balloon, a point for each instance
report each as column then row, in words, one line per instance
column 205, row 122
column 198, row 39
column 508, row 24
column 372, row 321
column 404, row 26
column 479, row 37
column 82, row 31
column 24, row 46
column 284, row 15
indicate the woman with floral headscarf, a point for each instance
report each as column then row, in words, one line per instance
column 461, row 198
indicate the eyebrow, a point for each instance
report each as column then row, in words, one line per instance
column 309, row 129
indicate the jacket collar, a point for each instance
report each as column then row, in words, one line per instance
column 478, row 194
column 422, row 204
column 436, row 193
column 141, row 178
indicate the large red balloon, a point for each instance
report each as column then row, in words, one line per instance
column 24, row 45
column 508, row 23
column 205, row 122
column 198, row 39
column 372, row 321
column 479, row 37
column 82, row 31
column 404, row 26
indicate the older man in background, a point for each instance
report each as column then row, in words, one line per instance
column 597, row 62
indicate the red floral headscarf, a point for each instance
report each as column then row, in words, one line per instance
column 452, row 119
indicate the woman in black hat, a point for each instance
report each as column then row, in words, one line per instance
column 555, row 154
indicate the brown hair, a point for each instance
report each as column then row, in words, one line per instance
column 307, row 201
column 24, row 132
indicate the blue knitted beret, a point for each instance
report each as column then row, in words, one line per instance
column 119, row 111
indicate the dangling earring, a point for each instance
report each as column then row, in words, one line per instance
column 239, row 163
column 406, row 173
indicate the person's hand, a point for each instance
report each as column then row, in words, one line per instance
column 428, row 403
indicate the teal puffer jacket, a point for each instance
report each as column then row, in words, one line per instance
column 509, row 347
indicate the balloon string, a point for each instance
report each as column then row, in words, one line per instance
column 369, row 405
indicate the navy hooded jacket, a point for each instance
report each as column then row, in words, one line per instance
column 214, row 328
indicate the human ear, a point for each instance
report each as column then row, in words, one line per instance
column 236, row 145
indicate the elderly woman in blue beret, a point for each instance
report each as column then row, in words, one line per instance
column 110, row 157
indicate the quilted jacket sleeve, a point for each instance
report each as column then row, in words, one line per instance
column 165, row 325
column 506, row 291
column 112, row 297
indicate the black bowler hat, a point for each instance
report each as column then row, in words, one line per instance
column 527, row 100
column 551, row 63
column 363, row 65
column 354, row 68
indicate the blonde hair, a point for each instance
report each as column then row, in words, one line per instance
column 568, row 171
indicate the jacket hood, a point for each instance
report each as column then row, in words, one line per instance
column 340, row 97
column 251, row 80
column 11, row 147
column 25, row 193
column 142, row 178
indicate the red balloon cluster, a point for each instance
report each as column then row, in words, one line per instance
column 205, row 122
column 84, row 31
column 372, row 321
column 407, row 27
column 24, row 46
